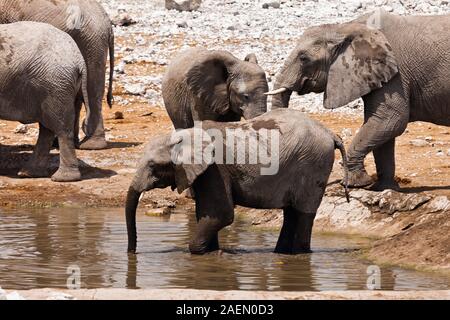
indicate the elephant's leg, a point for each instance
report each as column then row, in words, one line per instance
column 206, row 238
column 385, row 163
column 68, row 162
column 303, row 232
column 37, row 165
column 214, row 209
column 287, row 233
column 295, row 235
column 76, row 129
column 96, row 89
column 386, row 116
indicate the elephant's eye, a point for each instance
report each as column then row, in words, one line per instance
column 304, row 58
column 246, row 97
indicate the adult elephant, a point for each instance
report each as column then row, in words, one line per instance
column 214, row 85
column 399, row 65
column 89, row 25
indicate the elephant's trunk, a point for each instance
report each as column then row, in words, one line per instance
column 255, row 110
column 130, row 214
column 281, row 100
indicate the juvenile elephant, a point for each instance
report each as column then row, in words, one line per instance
column 213, row 85
column 301, row 153
column 41, row 72
column 89, row 25
column 399, row 65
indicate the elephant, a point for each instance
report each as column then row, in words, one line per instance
column 89, row 25
column 302, row 148
column 202, row 84
column 41, row 73
column 399, row 65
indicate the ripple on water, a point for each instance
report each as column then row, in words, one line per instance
column 37, row 247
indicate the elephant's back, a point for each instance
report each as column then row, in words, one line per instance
column 37, row 49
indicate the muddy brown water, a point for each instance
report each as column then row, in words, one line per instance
column 37, row 246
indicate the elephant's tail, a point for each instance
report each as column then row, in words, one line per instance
column 84, row 91
column 110, row 97
column 338, row 144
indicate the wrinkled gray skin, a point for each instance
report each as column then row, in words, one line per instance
column 306, row 156
column 94, row 37
column 213, row 85
column 401, row 69
column 41, row 72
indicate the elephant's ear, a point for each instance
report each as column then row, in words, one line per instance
column 192, row 152
column 209, row 79
column 251, row 57
column 364, row 61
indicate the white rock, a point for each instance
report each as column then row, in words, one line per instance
column 21, row 129
column 14, row 296
column 183, row 5
column 2, row 294
column 419, row 143
column 136, row 89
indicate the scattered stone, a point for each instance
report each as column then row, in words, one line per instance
column 21, row 129
column 60, row 296
column 182, row 24
column 14, row 296
column 158, row 212
column 123, row 19
column 440, row 203
column 274, row 4
column 136, row 89
column 120, row 68
column 118, row 115
column 419, row 143
column 183, row 5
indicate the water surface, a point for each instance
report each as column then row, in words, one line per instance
column 38, row 245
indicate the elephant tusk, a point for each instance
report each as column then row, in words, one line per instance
column 274, row 92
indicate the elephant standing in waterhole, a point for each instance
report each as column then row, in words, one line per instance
column 301, row 154
column 399, row 65
column 41, row 73
column 89, row 25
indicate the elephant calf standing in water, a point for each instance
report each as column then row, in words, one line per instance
column 213, row 85
column 41, row 72
column 301, row 151
column 399, row 65
column 89, row 25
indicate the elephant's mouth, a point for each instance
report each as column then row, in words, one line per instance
column 303, row 86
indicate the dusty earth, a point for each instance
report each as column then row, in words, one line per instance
column 416, row 238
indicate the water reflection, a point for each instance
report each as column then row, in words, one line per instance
column 37, row 246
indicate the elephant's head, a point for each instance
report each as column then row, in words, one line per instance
column 173, row 160
column 227, row 84
column 345, row 61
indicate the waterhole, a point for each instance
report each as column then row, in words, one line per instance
column 41, row 248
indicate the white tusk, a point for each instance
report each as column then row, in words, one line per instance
column 274, row 92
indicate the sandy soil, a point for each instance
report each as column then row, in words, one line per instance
column 186, row 294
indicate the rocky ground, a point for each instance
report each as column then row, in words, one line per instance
column 413, row 226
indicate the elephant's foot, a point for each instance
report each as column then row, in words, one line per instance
column 385, row 185
column 359, row 179
column 293, row 250
column 33, row 172
column 67, row 175
column 93, row 143
column 200, row 248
